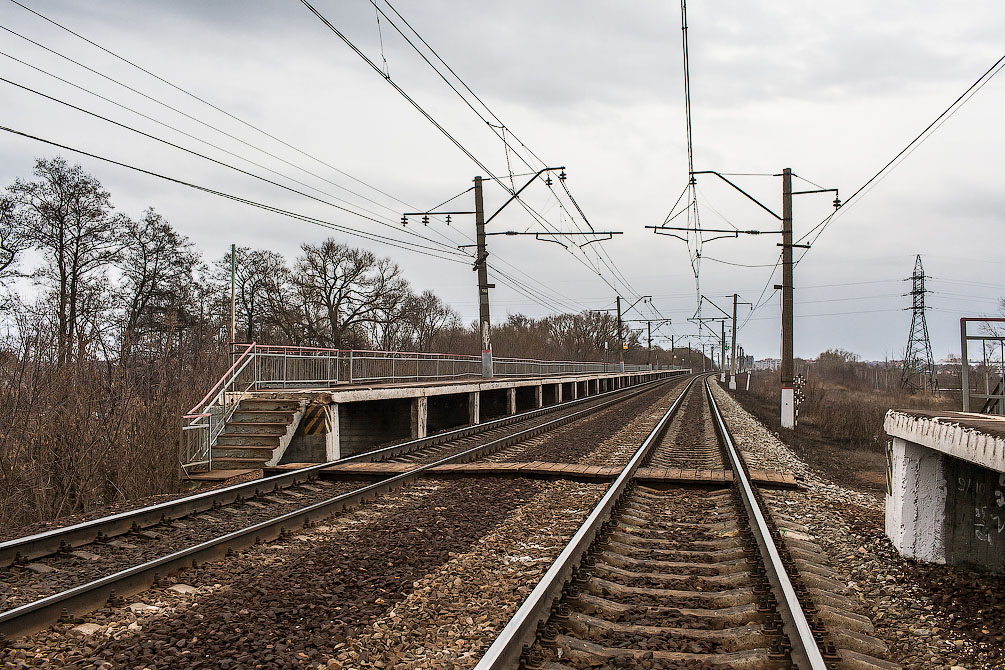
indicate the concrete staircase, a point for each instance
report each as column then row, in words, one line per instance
column 256, row 435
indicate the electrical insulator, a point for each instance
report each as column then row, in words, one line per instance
column 404, row 220
column 425, row 220
column 547, row 181
column 837, row 202
column 562, row 175
column 448, row 219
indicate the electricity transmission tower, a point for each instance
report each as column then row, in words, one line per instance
column 919, row 369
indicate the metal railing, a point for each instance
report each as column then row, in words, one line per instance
column 994, row 400
column 204, row 422
column 261, row 367
column 529, row 367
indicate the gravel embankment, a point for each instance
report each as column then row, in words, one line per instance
column 290, row 603
column 601, row 439
column 52, row 574
column 426, row 580
column 932, row 617
column 13, row 532
column 454, row 612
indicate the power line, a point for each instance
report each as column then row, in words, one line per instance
column 197, row 98
column 918, row 140
column 231, row 136
column 301, row 217
column 500, row 129
column 212, row 160
column 446, row 133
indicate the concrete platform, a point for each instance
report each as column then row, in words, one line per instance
column 977, row 438
column 945, row 498
column 371, row 391
column 359, row 417
column 328, row 423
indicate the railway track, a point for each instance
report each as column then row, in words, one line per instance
column 678, row 577
column 69, row 571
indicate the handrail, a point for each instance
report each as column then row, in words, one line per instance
column 202, row 403
column 364, row 351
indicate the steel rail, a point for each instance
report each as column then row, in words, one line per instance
column 86, row 597
column 800, row 634
column 521, row 630
column 68, row 537
column 505, row 651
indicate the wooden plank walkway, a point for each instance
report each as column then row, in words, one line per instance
column 556, row 471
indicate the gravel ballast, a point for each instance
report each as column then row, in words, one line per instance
column 932, row 617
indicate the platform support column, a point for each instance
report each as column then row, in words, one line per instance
column 420, row 414
column 333, row 446
column 539, row 396
column 511, row 400
column 558, row 393
column 474, row 407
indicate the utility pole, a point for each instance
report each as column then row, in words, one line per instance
column 233, row 295
column 481, row 259
column 732, row 358
column 788, row 372
column 484, row 323
column 722, row 355
column 621, row 340
column 650, row 325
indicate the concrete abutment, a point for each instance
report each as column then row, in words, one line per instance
column 945, row 499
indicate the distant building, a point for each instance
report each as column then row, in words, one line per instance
column 767, row 363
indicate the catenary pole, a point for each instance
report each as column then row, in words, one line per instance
column 621, row 339
column 732, row 361
column 484, row 321
column 788, row 413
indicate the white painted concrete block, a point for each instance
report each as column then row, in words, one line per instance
column 916, row 505
column 788, row 408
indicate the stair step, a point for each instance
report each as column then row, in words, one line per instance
column 243, row 451
column 256, row 416
column 248, row 440
column 239, row 461
column 270, row 404
column 255, row 428
column 218, row 474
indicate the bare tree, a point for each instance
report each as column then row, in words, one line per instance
column 157, row 266
column 257, row 270
column 427, row 315
column 13, row 237
column 68, row 219
column 344, row 290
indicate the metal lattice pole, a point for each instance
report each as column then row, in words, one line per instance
column 919, row 367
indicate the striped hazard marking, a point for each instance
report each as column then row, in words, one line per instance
column 317, row 419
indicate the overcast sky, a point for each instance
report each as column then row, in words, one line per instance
column 832, row 90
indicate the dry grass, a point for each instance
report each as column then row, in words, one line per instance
column 81, row 435
column 847, row 415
